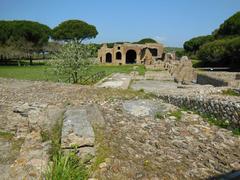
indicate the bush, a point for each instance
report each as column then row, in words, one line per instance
column 73, row 61
column 223, row 51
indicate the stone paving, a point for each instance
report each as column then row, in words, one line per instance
column 117, row 80
column 144, row 147
column 142, row 143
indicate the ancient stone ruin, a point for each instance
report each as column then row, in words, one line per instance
column 151, row 55
column 131, row 53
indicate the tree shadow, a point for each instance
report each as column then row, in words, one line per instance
column 233, row 175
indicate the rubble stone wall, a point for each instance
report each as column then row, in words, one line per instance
column 222, row 110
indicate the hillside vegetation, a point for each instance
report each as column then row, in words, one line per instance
column 221, row 48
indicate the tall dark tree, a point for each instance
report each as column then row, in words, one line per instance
column 222, row 52
column 230, row 27
column 74, row 30
column 194, row 44
column 24, row 36
column 146, row 40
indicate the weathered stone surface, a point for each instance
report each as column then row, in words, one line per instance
column 86, row 152
column 136, row 147
column 94, row 115
column 145, row 107
column 143, row 147
column 33, row 159
column 184, row 72
column 117, row 80
column 143, row 54
column 77, row 130
column 203, row 99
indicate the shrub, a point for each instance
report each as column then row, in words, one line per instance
column 73, row 61
column 224, row 51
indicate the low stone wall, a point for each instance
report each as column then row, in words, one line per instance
column 155, row 67
column 221, row 109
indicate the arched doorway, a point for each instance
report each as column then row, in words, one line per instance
column 108, row 58
column 131, row 57
column 154, row 51
column 118, row 55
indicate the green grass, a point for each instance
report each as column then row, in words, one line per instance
column 215, row 121
column 103, row 151
column 42, row 72
column 25, row 72
column 116, row 68
column 230, row 92
column 64, row 166
column 236, row 131
column 13, row 152
column 221, row 123
column 6, row 135
column 196, row 63
column 159, row 115
column 177, row 114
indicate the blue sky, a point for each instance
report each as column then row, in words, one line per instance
column 169, row 21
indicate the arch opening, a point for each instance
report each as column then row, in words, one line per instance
column 118, row 55
column 153, row 51
column 108, row 58
column 131, row 57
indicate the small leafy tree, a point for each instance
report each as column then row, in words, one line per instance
column 73, row 61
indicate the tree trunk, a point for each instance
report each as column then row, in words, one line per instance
column 18, row 61
column 30, row 58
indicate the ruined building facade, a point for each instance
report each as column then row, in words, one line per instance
column 131, row 53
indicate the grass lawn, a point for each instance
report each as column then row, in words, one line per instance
column 40, row 72
column 196, row 63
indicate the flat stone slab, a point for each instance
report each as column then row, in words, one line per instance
column 154, row 85
column 77, row 130
column 146, row 107
column 117, row 80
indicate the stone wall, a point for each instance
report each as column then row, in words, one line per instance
column 221, row 109
column 128, row 53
